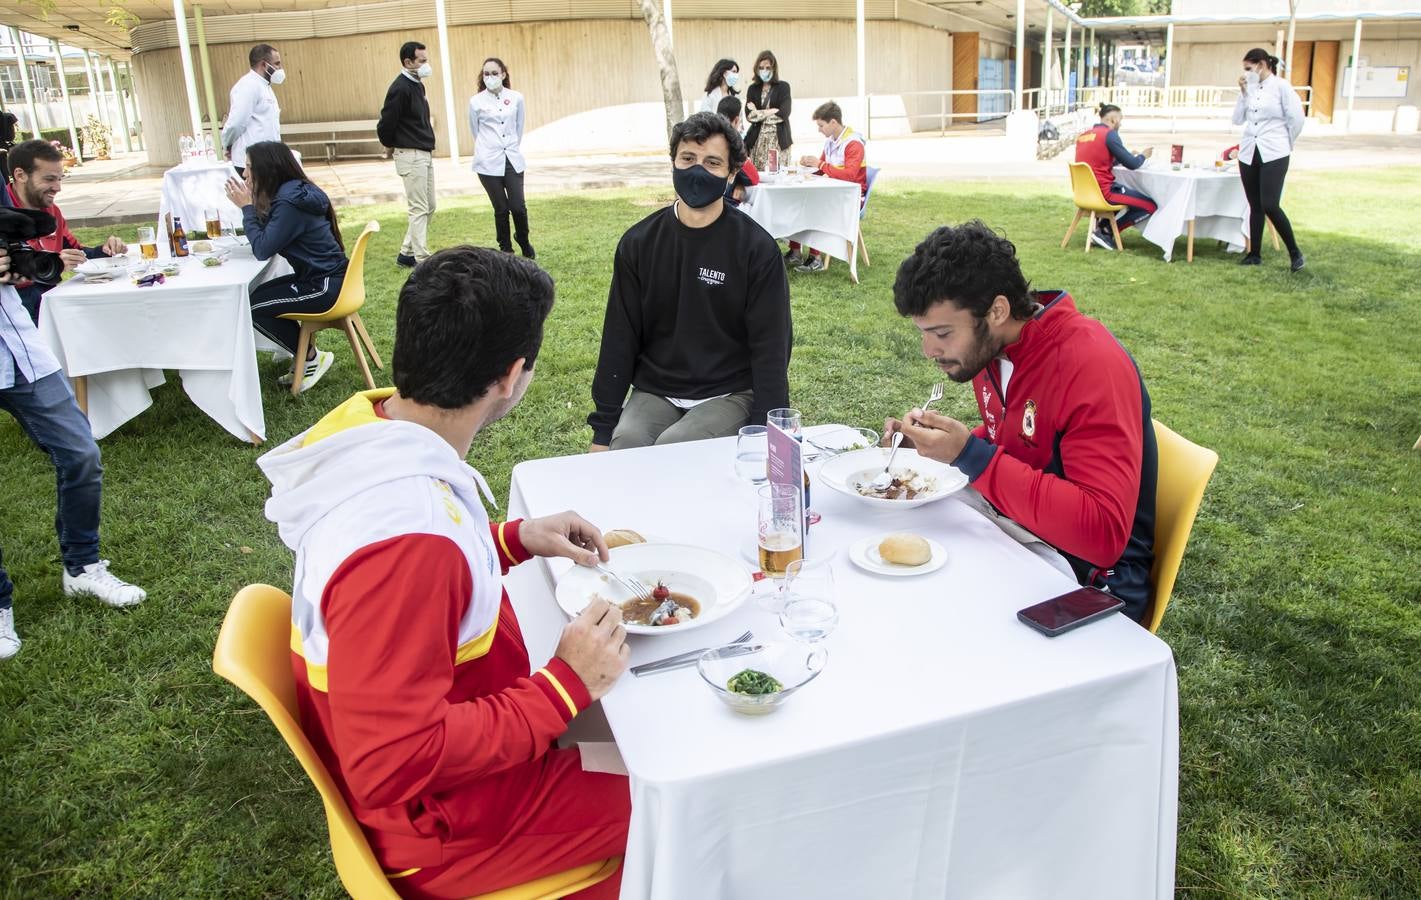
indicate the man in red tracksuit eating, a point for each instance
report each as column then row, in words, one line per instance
column 1066, row 447
column 412, row 677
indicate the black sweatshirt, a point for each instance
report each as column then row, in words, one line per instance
column 404, row 119
column 694, row 313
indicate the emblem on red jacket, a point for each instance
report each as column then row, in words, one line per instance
column 1028, row 419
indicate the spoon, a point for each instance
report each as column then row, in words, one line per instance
column 883, row 480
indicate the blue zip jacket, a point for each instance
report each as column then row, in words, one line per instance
column 296, row 228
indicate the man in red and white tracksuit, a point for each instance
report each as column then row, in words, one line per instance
column 842, row 159
column 413, row 681
column 1100, row 148
column 1066, row 447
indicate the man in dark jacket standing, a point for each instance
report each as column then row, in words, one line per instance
column 405, row 128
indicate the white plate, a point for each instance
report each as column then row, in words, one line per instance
column 104, row 265
column 864, row 554
column 718, row 582
column 842, row 472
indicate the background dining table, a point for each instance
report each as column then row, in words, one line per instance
column 821, row 213
column 1195, row 202
column 946, row 750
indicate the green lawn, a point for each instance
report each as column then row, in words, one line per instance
column 128, row 768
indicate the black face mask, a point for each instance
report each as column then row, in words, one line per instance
column 696, row 186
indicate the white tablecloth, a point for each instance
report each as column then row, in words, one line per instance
column 946, row 751
column 819, row 212
column 1213, row 200
column 199, row 322
column 190, row 190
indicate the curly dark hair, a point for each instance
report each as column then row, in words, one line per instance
column 968, row 265
column 701, row 127
column 464, row 316
column 718, row 72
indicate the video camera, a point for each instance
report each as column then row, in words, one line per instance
column 20, row 225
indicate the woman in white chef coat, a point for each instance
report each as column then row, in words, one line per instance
column 496, row 120
column 1271, row 114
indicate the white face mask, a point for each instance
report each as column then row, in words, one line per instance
column 732, row 78
column 424, row 71
column 278, row 76
column 1250, row 76
column 493, row 82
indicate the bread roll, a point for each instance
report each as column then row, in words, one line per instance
column 904, row 549
column 620, row 537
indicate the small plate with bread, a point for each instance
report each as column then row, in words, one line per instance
column 899, row 554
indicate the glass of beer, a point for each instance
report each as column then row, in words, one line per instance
column 147, row 242
column 781, row 524
column 214, row 223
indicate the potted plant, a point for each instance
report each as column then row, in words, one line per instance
column 70, row 158
column 98, row 137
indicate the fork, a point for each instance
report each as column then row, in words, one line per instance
column 934, row 397
column 680, row 660
column 638, row 589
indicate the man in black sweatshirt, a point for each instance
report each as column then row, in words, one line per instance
column 405, row 128
column 698, row 319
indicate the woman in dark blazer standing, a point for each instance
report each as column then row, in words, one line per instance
column 767, row 102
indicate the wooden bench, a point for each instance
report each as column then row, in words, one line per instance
column 333, row 135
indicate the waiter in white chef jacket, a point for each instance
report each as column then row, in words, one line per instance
column 496, row 119
column 253, row 114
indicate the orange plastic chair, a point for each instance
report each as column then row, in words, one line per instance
column 254, row 653
column 1184, row 472
column 1088, row 199
column 345, row 315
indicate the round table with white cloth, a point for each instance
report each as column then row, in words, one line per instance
column 1193, row 203
column 820, row 213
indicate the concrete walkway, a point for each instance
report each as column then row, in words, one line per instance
column 125, row 189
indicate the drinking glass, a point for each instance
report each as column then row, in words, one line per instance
column 780, row 520
column 788, row 419
column 147, row 242
column 214, row 222
column 811, row 604
column 752, row 454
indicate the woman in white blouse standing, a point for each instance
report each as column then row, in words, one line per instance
column 724, row 76
column 496, row 119
column 1271, row 114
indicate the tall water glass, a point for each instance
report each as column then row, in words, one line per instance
column 752, row 454
column 811, row 603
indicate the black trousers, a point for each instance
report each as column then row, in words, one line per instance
column 1263, row 185
column 285, row 295
column 505, row 192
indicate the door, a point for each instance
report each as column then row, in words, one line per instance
column 1302, row 68
column 965, row 50
column 1324, row 78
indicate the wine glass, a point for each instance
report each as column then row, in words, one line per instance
column 811, row 604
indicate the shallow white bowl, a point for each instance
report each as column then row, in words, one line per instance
column 842, row 472
column 718, row 582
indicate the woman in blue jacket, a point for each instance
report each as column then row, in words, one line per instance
column 284, row 213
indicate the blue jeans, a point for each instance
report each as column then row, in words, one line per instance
column 47, row 412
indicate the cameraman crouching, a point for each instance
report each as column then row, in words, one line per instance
column 37, row 169
column 36, row 393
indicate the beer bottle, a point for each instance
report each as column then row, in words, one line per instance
column 179, row 238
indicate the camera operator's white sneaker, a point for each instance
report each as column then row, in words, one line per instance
column 9, row 640
column 97, row 581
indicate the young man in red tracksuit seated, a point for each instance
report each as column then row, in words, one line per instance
column 1101, row 148
column 842, row 158
column 1066, row 447
column 748, row 176
column 413, row 681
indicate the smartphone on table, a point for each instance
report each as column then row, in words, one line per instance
column 1060, row 614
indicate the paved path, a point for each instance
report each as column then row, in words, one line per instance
column 124, row 190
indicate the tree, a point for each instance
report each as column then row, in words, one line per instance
column 1100, row 8
column 665, row 61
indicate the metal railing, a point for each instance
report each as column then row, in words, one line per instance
column 1204, row 100
column 945, row 116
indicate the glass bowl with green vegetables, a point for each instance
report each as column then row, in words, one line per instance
column 755, row 679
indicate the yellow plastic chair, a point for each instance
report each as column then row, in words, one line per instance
column 345, row 315
column 254, row 653
column 1184, row 471
column 1088, row 199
